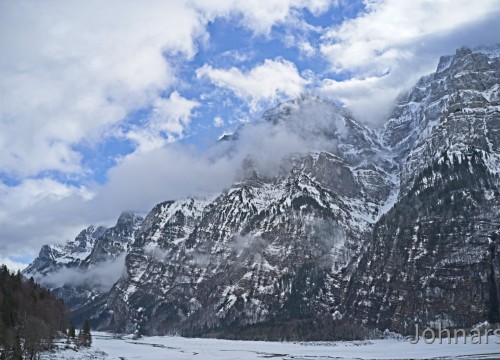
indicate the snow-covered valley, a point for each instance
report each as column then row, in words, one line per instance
column 108, row 346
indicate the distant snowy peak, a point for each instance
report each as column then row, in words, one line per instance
column 308, row 103
column 71, row 254
column 324, row 122
column 455, row 108
column 226, row 136
column 114, row 241
column 84, row 242
column 92, row 245
column 434, row 89
column 444, row 63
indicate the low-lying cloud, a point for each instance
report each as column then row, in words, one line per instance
column 101, row 277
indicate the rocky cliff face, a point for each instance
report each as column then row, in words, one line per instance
column 84, row 269
column 387, row 227
column 54, row 257
column 434, row 256
column 267, row 248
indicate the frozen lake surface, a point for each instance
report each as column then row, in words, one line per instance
column 107, row 346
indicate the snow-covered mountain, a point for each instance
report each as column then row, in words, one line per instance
column 84, row 269
column 54, row 257
column 434, row 257
column 386, row 227
column 268, row 247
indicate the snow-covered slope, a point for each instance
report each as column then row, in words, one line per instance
column 434, row 257
column 108, row 346
column 81, row 270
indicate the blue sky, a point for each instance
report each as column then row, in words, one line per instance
column 114, row 106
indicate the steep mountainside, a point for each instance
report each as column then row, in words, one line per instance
column 434, row 256
column 269, row 248
column 54, row 257
column 386, row 228
column 74, row 271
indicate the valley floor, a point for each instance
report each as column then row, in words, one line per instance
column 107, row 346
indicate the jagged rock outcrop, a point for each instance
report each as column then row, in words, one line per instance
column 81, row 270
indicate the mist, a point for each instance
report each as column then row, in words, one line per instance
column 142, row 179
column 102, row 277
column 174, row 172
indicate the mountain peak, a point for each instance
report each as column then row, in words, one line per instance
column 128, row 217
column 463, row 51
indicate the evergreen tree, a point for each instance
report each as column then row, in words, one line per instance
column 72, row 331
column 29, row 315
column 86, row 331
column 2, row 331
column 17, row 350
column 84, row 337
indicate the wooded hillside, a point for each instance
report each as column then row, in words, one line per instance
column 30, row 317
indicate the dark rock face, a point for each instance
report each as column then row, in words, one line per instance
column 388, row 228
column 434, row 256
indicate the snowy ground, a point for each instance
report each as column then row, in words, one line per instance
column 106, row 346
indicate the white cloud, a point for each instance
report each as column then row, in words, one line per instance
column 12, row 265
column 376, row 40
column 394, row 42
column 370, row 98
column 168, row 121
column 102, row 276
column 237, row 56
column 306, row 48
column 218, row 122
column 69, row 70
column 261, row 15
column 33, row 192
column 272, row 80
column 40, row 210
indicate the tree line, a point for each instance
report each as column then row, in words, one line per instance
column 31, row 318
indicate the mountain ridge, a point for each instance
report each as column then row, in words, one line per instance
column 313, row 239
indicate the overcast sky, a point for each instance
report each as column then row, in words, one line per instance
column 108, row 106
